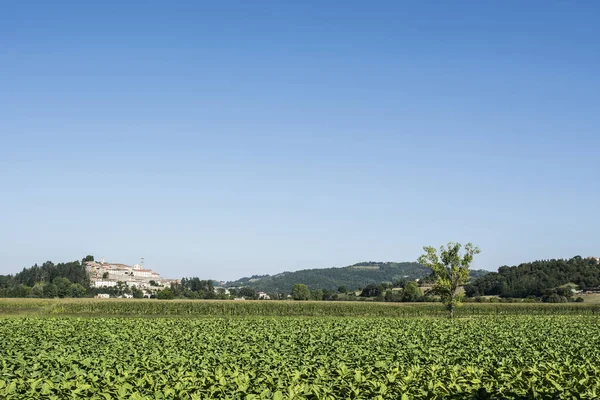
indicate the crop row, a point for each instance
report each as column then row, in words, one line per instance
column 115, row 307
column 300, row 358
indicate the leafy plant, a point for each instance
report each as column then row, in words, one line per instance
column 514, row 357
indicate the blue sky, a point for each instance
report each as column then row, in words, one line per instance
column 225, row 139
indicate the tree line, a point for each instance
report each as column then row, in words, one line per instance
column 544, row 280
column 48, row 280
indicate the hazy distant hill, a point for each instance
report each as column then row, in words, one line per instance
column 353, row 277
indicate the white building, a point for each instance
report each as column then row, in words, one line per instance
column 119, row 272
column 99, row 284
column 143, row 272
column 263, row 296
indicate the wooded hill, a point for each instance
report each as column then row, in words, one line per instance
column 352, row 277
column 536, row 278
column 48, row 280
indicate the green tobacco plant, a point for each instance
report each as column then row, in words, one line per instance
column 516, row 357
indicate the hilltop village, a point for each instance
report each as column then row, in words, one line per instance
column 107, row 275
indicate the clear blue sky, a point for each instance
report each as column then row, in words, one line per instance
column 222, row 139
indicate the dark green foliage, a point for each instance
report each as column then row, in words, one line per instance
column 247, row 293
column 165, row 294
column 349, row 278
column 50, row 290
column 300, row 292
column 76, row 290
column 37, row 290
column 19, row 290
column 554, row 298
column 371, row 290
column 411, row 292
column 536, row 278
column 316, row 294
column 197, row 285
column 192, row 288
column 62, row 275
column 74, row 271
column 6, row 281
column 394, row 296
column 63, row 287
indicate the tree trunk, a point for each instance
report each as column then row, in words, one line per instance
column 451, row 311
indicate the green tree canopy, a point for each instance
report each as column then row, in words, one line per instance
column 76, row 290
column 535, row 278
column 317, row 294
column 165, row 294
column 247, row 292
column 450, row 269
column 371, row 290
column 300, row 292
column 411, row 292
column 50, row 290
column 63, row 287
column 342, row 289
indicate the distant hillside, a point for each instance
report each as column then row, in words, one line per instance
column 536, row 278
column 353, row 277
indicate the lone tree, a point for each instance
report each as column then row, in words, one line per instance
column 450, row 270
column 300, row 292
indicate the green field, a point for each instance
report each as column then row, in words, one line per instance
column 300, row 358
column 125, row 349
